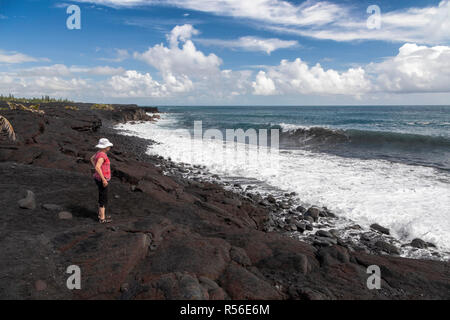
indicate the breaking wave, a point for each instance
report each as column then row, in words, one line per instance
column 304, row 136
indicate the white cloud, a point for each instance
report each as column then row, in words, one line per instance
column 414, row 69
column 424, row 25
column 427, row 25
column 250, row 43
column 323, row 19
column 129, row 84
column 181, row 33
column 120, row 3
column 177, row 63
column 272, row 11
column 297, row 77
column 188, row 74
column 263, row 85
column 141, row 85
column 15, row 57
column 185, row 69
column 134, row 84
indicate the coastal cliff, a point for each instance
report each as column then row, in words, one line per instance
column 171, row 238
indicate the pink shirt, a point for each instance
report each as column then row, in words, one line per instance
column 106, row 167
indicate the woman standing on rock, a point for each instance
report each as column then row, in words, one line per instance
column 102, row 175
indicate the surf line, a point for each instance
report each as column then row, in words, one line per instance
column 193, row 310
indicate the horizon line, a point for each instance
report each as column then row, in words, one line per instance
column 306, row 105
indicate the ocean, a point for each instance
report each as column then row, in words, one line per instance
column 369, row 164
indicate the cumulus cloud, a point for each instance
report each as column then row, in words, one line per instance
column 250, row 43
column 134, row 84
column 181, row 33
column 184, row 60
column 263, row 85
column 296, row 77
column 188, row 73
column 184, row 68
column 414, row 69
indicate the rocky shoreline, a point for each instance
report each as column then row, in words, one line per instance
column 310, row 223
column 313, row 224
column 174, row 235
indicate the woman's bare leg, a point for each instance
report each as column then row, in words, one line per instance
column 101, row 213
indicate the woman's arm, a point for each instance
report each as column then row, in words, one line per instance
column 98, row 169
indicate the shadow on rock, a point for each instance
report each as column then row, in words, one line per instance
column 82, row 212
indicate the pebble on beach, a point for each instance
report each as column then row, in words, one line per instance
column 65, row 215
column 29, row 202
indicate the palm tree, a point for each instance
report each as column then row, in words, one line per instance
column 6, row 125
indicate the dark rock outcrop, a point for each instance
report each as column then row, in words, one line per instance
column 380, row 229
column 133, row 113
column 419, row 243
column 387, row 247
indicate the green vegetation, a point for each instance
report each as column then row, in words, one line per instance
column 106, row 107
column 18, row 106
column 75, row 108
column 34, row 107
column 43, row 99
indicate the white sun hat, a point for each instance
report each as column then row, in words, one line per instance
column 103, row 143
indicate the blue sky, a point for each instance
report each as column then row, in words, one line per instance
column 228, row 52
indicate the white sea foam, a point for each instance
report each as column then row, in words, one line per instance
column 292, row 127
column 412, row 201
